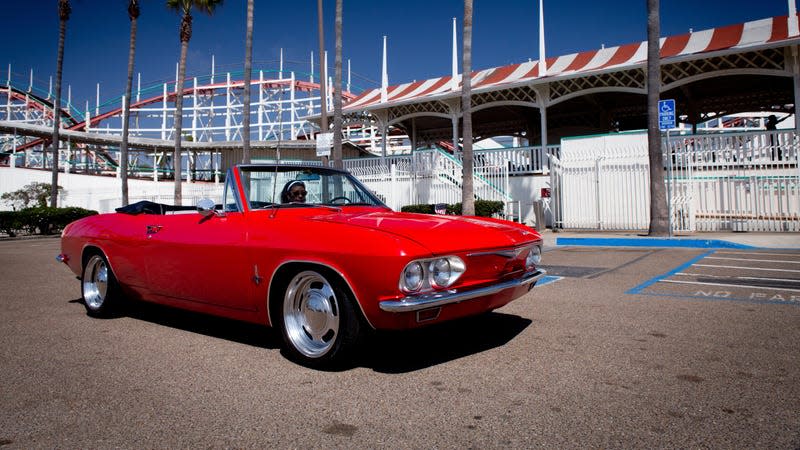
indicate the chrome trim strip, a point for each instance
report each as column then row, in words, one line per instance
column 507, row 253
column 447, row 297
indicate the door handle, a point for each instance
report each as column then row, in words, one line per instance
column 153, row 229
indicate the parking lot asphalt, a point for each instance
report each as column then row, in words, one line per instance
column 624, row 347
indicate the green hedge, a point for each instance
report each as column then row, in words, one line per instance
column 41, row 220
column 483, row 208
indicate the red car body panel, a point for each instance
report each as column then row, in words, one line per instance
column 226, row 265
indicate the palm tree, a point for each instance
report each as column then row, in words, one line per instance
column 133, row 14
column 248, row 63
column 467, row 190
column 659, row 222
column 323, row 77
column 184, row 8
column 337, row 97
column 63, row 16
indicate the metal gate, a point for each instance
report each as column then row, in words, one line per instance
column 734, row 181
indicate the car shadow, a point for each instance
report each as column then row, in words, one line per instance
column 217, row 327
column 382, row 351
column 411, row 350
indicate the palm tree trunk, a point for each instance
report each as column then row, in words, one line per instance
column 133, row 13
column 248, row 63
column 467, row 190
column 337, row 98
column 323, row 97
column 176, row 153
column 63, row 14
column 659, row 222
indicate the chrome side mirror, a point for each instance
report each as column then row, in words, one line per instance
column 206, row 207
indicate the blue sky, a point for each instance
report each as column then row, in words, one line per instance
column 419, row 36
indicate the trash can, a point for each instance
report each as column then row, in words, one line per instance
column 538, row 215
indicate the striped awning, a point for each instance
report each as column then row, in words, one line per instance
column 760, row 33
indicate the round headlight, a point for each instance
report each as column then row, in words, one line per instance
column 413, row 276
column 441, row 272
column 534, row 257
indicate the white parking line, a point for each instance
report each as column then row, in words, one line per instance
column 748, row 268
column 753, row 253
column 737, row 278
column 754, row 260
column 730, row 285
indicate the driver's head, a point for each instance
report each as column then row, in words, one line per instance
column 294, row 192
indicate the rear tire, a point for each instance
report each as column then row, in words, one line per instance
column 318, row 322
column 99, row 287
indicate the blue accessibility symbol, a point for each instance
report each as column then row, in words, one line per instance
column 666, row 114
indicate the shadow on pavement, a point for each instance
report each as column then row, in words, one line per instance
column 382, row 351
column 232, row 330
column 410, row 350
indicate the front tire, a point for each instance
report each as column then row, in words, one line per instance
column 318, row 322
column 99, row 287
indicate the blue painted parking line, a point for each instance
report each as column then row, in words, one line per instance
column 782, row 295
column 547, row 279
column 681, row 268
column 651, row 242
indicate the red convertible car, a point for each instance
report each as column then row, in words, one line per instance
column 306, row 249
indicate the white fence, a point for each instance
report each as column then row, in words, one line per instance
column 737, row 181
column 432, row 176
column 426, row 177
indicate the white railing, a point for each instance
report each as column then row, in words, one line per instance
column 432, row 176
column 738, row 181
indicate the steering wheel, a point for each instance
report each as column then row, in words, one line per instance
column 255, row 204
column 342, row 198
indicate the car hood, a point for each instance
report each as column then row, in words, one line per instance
column 441, row 234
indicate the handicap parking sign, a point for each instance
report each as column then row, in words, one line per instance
column 666, row 114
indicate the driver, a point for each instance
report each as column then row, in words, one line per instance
column 294, row 192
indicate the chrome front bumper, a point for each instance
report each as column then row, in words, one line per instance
column 434, row 299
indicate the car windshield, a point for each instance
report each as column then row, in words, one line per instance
column 269, row 186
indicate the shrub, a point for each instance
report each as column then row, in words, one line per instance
column 483, row 208
column 43, row 220
column 422, row 209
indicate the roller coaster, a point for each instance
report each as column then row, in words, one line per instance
column 213, row 110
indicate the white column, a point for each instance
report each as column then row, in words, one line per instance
column 280, row 69
column 12, row 160
column 793, row 31
column 228, row 107
column 542, row 57
column 454, row 72
column 292, row 111
column 194, row 109
column 384, row 75
column 796, row 79
column 261, row 100
column 97, row 101
column 164, row 114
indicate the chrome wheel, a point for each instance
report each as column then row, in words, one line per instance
column 311, row 314
column 95, row 282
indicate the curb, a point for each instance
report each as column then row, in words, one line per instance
column 651, row 242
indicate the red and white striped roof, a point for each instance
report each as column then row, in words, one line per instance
column 742, row 36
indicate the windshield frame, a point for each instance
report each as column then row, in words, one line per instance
column 364, row 197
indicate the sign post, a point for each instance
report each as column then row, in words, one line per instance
column 666, row 121
column 324, row 143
